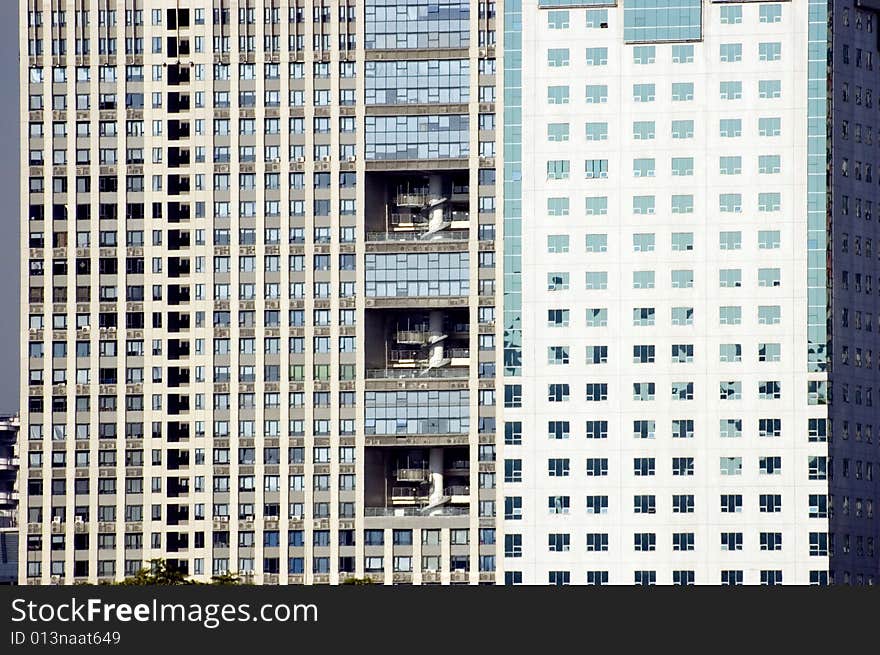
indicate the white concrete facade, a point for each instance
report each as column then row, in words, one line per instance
column 760, row 262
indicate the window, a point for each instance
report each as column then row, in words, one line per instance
column 642, row 167
column 730, row 165
column 731, row 90
column 768, row 239
column 731, row 466
column 731, row 52
column 682, row 91
column 730, row 277
column 643, row 280
column 682, row 129
column 558, row 95
column 643, row 130
column 731, row 15
column 682, row 279
column 597, row 242
column 769, row 126
column 730, row 390
column 597, row 280
column 558, row 169
column 644, row 204
column 769, row 277
column 644, row 92
column 557, row 132
column 730, row 352
column 597, row 131
column 595, row 168
column 730, row 127
column 557, row 243
column 596, row 206
column 557, row 281
column 597, row 18
column 682, row 166
column 768, row 13
column 557, row 20
column 771, row 51
column 643, row 242
column 682, row 54
column 596, row 93
column 597, row 56
column 769, row 88
column 645, row 54
column 557, row 57
column 597, row 317
column 730, row 240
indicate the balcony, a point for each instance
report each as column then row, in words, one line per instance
column 460, row 468
column 9, row 463
column 8, row 497
column 409, row 494
column 415, row 511
column 450, row 373
column 412, row 474
column 416, row 237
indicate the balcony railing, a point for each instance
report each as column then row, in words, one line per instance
column 8, row 496
column 417, row 198
column 443, row 235
column 408, row 492
column 404, row 355
column 457, row 490
column 449, row 372
column 415, row 511
column 412, row 474
column 402, row 218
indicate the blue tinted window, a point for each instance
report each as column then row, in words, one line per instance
column 661, row 20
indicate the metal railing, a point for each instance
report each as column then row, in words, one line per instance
column 419, row 355
column 449, row 372
column 415, row 198
column 415, row 511
column 401, row 218
column 457, row 490
column 442, row 235
column 408, row 492
column 411, row 474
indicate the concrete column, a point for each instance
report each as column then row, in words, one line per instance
column 435, row 468
column 435, row 325
column 436, row 202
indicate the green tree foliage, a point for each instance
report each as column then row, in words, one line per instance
column 160, row 573
column 357, row 581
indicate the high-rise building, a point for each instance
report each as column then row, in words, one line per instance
column 260, row 306
column 696, row 201
column 266, row 249
column 9, row 500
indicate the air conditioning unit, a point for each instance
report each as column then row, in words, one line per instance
column 272, row 518
column 300, row 160
column 79, row 520
column 352, row 158
column 56, row 520
column 325, row 158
